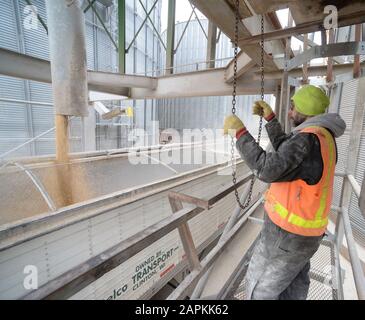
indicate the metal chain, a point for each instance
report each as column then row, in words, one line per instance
column 234, row 103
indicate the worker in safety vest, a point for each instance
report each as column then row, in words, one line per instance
column 301, row 172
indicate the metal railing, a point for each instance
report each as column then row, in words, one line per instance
column 84, row 274
column 343, row 228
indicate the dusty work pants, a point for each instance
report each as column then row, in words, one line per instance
column 279, row 267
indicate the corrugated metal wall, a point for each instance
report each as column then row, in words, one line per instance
column 201, row 112
column 344, row 101
column 20, row 122
column 348, row 102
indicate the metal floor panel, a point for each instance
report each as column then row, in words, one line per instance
column 323, row 284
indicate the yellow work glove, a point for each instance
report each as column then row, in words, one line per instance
column 232, row 125
column 261, row 108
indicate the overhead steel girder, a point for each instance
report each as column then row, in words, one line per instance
column 202, row 84
column 329, row 50
column 244, row 63
column 113, row 81
column 222, row 14
column 308, row 27
column 313, row 71
column 22, row 66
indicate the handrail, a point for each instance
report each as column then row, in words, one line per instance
column 82, row 275
column 355, row 186
column 187, row 284
column 358, row 273
column 67, row 284
column 208, row 203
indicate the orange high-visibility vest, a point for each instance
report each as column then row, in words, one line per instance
column 301, row 208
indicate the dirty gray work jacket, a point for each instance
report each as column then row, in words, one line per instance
column 296, row 155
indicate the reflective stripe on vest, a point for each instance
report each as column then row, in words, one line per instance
column 319, row 221
column 299, row 221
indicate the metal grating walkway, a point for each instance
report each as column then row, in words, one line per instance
column 323, row 284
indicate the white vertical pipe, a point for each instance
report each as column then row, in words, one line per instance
column 66, row 25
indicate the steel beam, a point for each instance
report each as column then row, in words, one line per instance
column 222, row 14
column 201, row 84
column 121, row 35
column 275, row 47
column 22, row 66
column 117, row 81
column 309, row 27
column 329, row 50
column 312, row 71
column 170, row 43
column 244, row 63
column 311, row 43
column 212, row 45
column 357, row 69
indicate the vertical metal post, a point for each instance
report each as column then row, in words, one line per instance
column 170, row 37
column 121, row 52
column 305, row 66
column 357, row 68
column 212, row 44
column 186, row 237
column 284, row 96
column 121, row 35
column 331, row 39
column 323, row 37
column 277, row 100
column 285, row 87
column 284, row 99
column 230, row 224
column 339, row 234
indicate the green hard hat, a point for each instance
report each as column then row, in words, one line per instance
column 311, row 100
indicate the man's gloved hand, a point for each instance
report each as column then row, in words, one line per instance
column 261, row 108
column 232, row 123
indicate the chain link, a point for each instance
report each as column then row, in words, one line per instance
column 234, row 103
